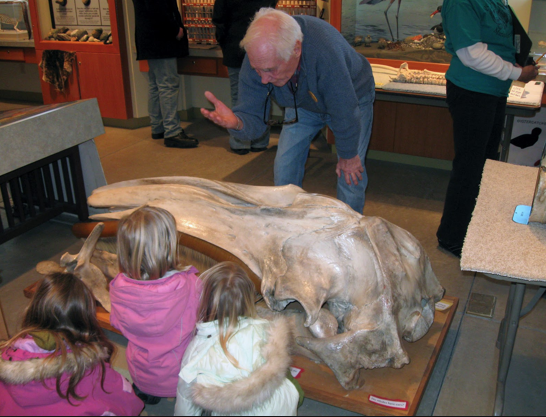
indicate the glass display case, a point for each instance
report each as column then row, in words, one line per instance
column 15, row 20
column 395, row 30
column 80, row 21
column 197, row 16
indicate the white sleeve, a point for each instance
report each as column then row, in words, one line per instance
column 481, row 59
column 184, row 405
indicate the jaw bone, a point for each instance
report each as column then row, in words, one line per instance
column 374, row 278
column 81, row 266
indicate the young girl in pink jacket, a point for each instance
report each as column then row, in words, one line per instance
column 154, row 303
column 59, row 364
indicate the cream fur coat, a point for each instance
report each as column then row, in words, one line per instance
column 208, row 381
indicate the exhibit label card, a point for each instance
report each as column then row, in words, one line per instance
column 65, row 13
column 78, row 14
column 384, row 402
column 296, row 372
column 88, row 15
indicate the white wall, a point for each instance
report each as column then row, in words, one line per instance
column 522, row 8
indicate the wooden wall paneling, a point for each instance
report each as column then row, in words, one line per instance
column 12, row 54
column 222, row 70
column 383, row 129
column 424, row 131
column 101, row 76
column 198, row 66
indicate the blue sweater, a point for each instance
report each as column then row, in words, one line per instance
column 337, row 75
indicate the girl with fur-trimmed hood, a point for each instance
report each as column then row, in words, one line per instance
column 59, row 364
column 237, row 363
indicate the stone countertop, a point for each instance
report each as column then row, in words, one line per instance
column 31, row 134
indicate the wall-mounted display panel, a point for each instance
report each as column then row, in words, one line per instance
column 80, row 21
column 15, row 20
column 399, row 30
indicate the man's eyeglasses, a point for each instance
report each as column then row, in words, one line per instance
column 284, row 122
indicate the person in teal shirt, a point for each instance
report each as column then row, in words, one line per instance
column 479, row 35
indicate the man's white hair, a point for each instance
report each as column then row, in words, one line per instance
column 283, row 39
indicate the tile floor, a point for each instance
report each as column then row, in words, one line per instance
column 463, row 380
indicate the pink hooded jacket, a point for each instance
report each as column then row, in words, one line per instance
column 22, row 392
column 158, row 318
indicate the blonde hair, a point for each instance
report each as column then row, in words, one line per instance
column 147, row 243
column 228, row 293
column 283, row 39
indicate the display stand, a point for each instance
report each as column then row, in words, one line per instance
column 401, row 389
column 507, row 251
column 394, row 387
column 52, row 162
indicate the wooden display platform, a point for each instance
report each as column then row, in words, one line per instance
column 397, row 387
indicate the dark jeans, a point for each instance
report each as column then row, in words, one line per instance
column 478, row 121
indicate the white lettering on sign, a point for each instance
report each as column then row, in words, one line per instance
column 399, row 405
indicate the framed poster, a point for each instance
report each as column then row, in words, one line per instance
column 80, row 14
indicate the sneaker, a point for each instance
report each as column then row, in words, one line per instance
column 158, row 135
column 454, row 250
column 258, row 149
column 181, row 141
column 240, row 151
column 146, row 399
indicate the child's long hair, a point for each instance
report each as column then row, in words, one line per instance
column 147, row 243
column 228, row 293
column 65, row 308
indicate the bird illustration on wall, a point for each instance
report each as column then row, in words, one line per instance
column 372, row 2
column 528, row 139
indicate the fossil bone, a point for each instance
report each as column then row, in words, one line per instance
column 81, row 266
column 405, row 75
column 371, row 276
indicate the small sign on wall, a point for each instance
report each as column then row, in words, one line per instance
column 528, row 139
column 80, row 13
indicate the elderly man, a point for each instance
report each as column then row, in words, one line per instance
column 309, row 68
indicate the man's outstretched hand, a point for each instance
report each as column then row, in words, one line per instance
column 351, row 169
column 221, row 115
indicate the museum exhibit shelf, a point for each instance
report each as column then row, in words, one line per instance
column 404, row 123
column 100, row 70
column 52, row 161
column 197, row 17
column 16, row 45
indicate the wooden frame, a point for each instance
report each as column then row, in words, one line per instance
column 4, row 335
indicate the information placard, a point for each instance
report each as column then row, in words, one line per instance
column 80, row 14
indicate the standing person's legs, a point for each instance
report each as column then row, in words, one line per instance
column 242, row 147
column 167, row 82
column 154, row 109
column 477, row 126
column 355, row 195
column 294, row 143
